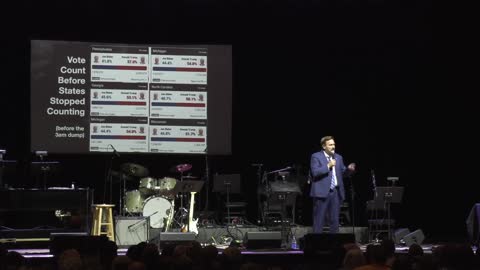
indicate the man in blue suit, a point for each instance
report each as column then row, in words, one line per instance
column 327, row 171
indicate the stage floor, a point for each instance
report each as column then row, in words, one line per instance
column 127, row 235
column 45, row 252
column 286, row 258
column 35, row 244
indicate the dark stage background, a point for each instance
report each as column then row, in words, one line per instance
column 363, row 72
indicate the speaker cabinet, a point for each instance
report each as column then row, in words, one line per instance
column 131, row 230
column 325, row 243
column 257, row 240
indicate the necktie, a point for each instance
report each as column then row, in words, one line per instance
column 332, row 183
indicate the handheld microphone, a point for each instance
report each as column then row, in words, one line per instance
column 115, row 152
column 332, row 157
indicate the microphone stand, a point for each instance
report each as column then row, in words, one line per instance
column 281, row 170
column 110, row 178
column 352, row 201
column 207, row 182
column 260, row 182
column 123, row 190
column 375, row 211
column 227, row 186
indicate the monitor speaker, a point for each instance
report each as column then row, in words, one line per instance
column 257, row 240
column 399, row 234
column 416, row 237
column 176, row 238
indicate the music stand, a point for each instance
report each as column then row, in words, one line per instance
column 227, row 183
column 188, row 186
column 44, row 167
column 387, row 196
column 6, row 166
column 285, row 193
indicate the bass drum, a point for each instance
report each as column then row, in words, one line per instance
column 133, row 201
column 158, row 209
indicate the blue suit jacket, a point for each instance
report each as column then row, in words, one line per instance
column 322, row 176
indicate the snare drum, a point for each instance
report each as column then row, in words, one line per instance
column 133, row 201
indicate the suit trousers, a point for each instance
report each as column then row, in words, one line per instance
column 327, row 211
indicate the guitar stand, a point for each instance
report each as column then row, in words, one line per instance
column 180, row 216
column 187, row 186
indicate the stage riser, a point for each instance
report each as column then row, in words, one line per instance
column 206, row 235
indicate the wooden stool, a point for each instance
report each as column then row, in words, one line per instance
column 98, row 220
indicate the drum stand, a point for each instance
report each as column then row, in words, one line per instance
column 180, row 215
column 181, row 194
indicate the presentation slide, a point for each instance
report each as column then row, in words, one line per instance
column 97, row 97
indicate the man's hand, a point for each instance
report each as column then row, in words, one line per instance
column 332, row 163
column 351, row 167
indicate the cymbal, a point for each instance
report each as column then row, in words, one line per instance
column 133, row 169
column 183, row 167
column 189, row 177
column 120, row 176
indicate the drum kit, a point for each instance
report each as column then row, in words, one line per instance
column 155, row 197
